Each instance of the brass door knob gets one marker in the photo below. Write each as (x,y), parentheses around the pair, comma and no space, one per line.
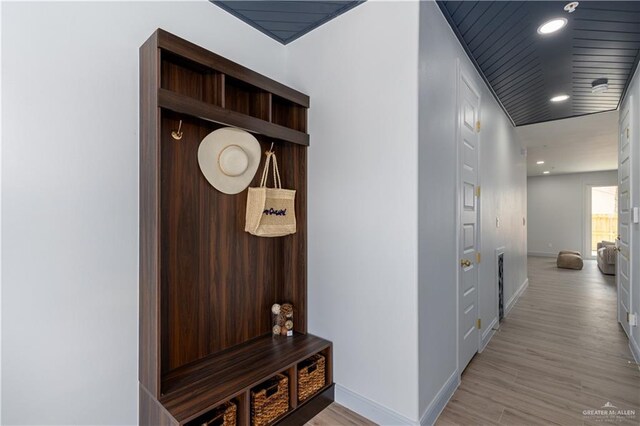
(465,263)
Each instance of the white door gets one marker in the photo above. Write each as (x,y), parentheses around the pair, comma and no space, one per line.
(624,219)
(468,115)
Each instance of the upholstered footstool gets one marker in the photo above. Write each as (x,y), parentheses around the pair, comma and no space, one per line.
(569,260)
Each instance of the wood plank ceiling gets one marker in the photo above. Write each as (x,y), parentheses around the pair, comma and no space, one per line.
(526,69)
(286,21)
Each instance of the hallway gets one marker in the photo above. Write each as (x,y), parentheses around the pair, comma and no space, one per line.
(558,353)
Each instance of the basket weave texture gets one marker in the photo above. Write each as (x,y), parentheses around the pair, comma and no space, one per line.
(223,415)
(310,376)
(269,400)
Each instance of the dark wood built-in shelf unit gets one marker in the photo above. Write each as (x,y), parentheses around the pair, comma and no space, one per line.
(206,286)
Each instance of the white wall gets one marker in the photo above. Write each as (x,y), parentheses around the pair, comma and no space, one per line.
(557,210)
(360,72)
(1,7)
(632,98)
(503,182)
(70,197)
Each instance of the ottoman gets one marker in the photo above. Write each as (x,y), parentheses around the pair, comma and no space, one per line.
(569,260)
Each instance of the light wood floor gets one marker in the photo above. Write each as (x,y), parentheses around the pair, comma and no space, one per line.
(337,415)
(559,352)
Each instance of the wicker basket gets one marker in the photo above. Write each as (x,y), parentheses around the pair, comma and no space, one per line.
(223,415)
(310,376)
(269,400)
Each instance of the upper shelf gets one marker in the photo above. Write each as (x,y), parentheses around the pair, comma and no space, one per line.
(197,387)
(197,82)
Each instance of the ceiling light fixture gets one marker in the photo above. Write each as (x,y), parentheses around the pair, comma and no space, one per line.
(571,7)
(599,85)
(552,26)
(540,162)
(546,172)
(559,98)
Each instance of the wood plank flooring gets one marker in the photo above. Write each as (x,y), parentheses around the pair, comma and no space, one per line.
(337,415)
(559,352)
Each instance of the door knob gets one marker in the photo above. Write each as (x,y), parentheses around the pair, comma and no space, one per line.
(465,263)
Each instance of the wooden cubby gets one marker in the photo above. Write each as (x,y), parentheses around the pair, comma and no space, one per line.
(247,99)
(191,79)
(206,286)
(288,114)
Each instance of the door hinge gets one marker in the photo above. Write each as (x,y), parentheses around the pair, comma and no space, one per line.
(627,133)
(478,257)
(478,191)
(479,324)
(478,126)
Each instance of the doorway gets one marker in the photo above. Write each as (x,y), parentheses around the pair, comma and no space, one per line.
(602,216)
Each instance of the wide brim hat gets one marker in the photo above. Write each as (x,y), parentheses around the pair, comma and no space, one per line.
(229,159)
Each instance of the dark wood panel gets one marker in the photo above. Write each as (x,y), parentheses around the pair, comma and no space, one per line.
(246,99)
(186,105)
(151,412)
(309,408)
(199,387)
(292,372)
(292,160)
(206,286)
(191,79)
(219,281)
(181,79)
(200,55)
(149,361)
(289,114)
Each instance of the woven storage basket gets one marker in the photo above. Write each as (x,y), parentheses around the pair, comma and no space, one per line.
(310,376)
(269,400)
(223,415)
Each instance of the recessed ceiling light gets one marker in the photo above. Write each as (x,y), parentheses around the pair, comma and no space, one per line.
(559,98)
(552,26)
(546,172)
(540,162)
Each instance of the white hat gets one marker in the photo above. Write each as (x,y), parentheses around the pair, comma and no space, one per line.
(229,159)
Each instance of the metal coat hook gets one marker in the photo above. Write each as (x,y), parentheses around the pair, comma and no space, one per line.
(177,134)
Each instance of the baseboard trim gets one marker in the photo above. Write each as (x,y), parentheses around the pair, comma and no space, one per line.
(635,350)
(488,334)
(516,296)
(438,403)
(541,254)
(370,409)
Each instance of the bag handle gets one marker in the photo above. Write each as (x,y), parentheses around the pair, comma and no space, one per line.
(276,172)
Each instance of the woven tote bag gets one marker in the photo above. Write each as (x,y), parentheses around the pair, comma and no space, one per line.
(270,211)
